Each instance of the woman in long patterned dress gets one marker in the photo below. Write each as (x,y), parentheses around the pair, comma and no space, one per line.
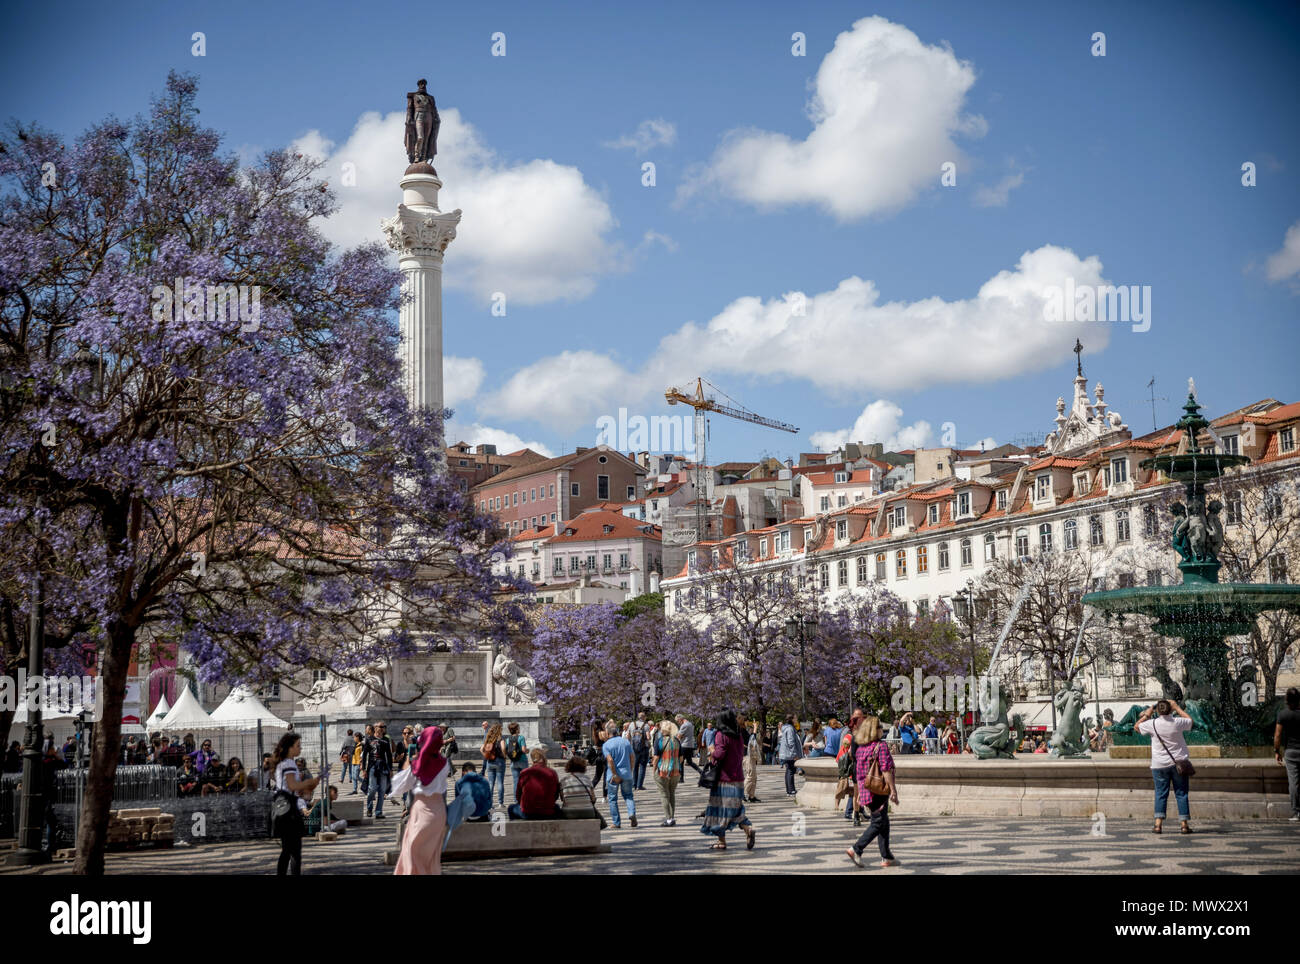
(426,821)
(727,800)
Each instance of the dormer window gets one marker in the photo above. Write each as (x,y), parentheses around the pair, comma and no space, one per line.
(762,547)
(841,477)
(1044,487)
(1286,439)
(807,535)
(607,529)
(1080,483)
(963,503)
(841,529)
(1231,444)
(1002,498)
(1119,471)
(900,518)
(934,514)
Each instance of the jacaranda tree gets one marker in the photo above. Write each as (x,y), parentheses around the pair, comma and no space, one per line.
(205,440)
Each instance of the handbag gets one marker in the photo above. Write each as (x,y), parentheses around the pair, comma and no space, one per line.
(875,781)
(711,774)
(1184,768)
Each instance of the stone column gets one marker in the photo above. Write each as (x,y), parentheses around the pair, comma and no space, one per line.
(420,234)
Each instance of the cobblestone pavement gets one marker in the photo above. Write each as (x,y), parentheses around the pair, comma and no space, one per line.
(800,841)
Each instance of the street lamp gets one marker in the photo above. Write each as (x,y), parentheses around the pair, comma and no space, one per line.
(798,627)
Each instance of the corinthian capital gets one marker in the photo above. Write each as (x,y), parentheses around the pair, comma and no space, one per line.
(415,233)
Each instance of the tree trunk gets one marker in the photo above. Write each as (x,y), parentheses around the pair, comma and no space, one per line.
(105,751)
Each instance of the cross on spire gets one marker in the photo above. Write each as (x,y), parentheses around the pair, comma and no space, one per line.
(1078,356)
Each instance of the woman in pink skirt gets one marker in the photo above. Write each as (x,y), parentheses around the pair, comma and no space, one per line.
(426,822)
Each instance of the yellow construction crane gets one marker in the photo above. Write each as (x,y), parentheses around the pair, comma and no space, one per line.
(703,406)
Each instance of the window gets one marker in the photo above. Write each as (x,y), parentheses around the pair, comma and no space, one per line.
(922,560)
(552,517)
(923,606)
(558,568)
(934,514)
(826,502)
(1277,568)
(1121,526)
(807,535)
(824,576)
(900,564)
(631,492)
(1045,537)
(1071,534)
(1080,483)
(1231,444)
(1155,578)
(574,563)
(1096,534)
(862,570)
(607,561)
(842,501)
(771,581)
(900,518)
(532,495)
(963,503)
(990,547)
(552,490)
(622,560)
(842,529)
(842,573)
(521,570)
(943,556)
(965,552)
(1234,509)
(1272,503)
(841,477)
(1044,487)
(783,540)
(575,489)
(880,567)
(514,498)
(1002,498)
(1126,580)
(1150,524)
(591,563)
(319,675)
(1022,543)
(762,548)
(1286,439)
(602,488)
(1119,470)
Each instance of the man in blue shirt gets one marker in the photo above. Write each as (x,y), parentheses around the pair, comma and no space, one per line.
(708,735)
(478,788)
(618,757)
(931,737)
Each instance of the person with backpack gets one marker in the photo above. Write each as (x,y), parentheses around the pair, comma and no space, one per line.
(874,766)
(286,819)
(847,765)
(596,756)
(493,752)
(789,748)
(640,752)
(516,752)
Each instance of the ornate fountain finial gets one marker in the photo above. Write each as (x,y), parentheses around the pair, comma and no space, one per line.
(1078,357)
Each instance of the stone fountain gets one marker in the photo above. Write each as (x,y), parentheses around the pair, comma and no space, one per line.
(1202,611)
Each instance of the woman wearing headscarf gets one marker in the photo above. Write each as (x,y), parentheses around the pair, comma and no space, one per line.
(726,800)
(426,822)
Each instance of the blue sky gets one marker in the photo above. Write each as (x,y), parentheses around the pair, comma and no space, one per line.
(1124,168)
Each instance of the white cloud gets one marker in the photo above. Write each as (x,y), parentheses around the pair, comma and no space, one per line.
(996,196)
(987,443)
(1285,264)
(534,230)
(879,422)
(506,442)
(461,378)
(846,341)
(648,135)
(884,111)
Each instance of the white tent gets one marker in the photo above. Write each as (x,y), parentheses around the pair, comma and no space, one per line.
(186,714)
(242,710)
(159,713)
